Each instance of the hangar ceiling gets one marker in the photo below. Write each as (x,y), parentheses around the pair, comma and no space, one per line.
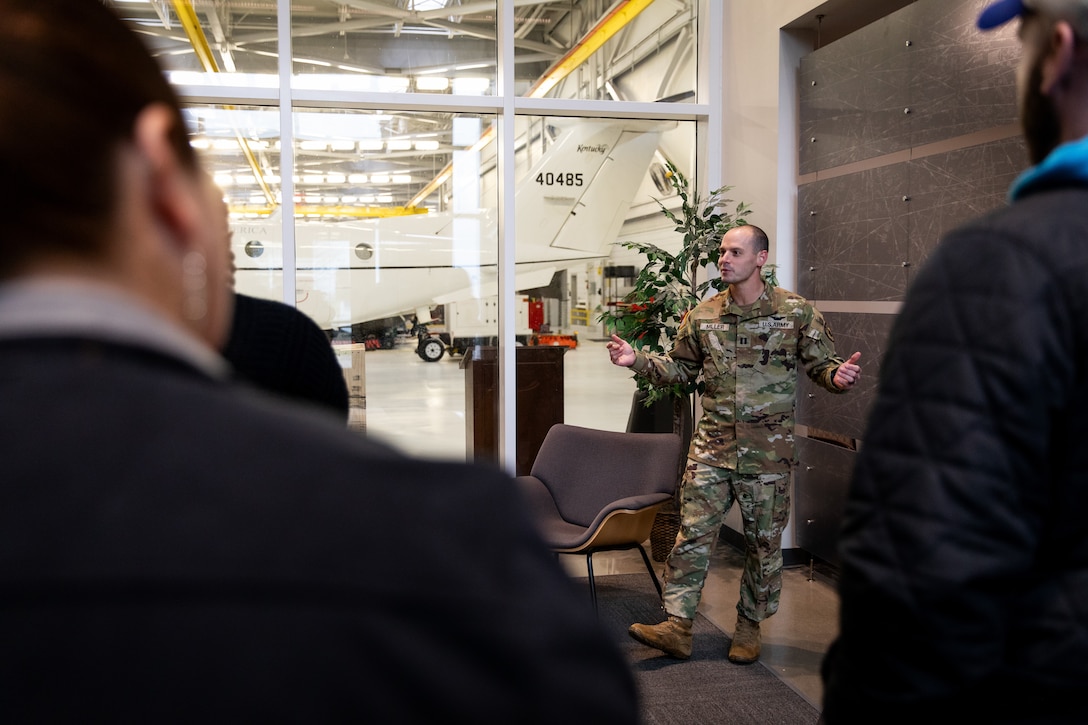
(368,162)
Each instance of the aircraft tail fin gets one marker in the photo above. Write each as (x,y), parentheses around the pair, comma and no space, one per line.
(577,195)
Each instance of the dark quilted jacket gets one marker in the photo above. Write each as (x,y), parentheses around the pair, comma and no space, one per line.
(965,542)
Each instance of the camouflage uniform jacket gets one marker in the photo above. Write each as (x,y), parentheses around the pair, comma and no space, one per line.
(748,359)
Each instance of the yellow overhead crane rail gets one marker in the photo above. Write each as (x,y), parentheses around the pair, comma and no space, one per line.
(335,210)
(191,23)
(591,42)
(203,50)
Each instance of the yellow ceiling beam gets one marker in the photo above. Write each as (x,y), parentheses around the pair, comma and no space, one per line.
(605,29)
(191,23)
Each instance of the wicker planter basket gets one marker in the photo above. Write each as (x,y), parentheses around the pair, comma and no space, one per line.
(663,533)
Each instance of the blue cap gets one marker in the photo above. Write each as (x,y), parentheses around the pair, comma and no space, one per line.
(999,13)
(1074,12)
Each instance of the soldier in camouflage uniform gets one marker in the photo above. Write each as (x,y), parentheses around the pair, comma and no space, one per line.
(747,343)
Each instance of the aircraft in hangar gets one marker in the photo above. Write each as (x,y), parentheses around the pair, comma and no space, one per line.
(569,208)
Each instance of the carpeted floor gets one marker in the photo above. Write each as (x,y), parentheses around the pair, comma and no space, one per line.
(707,688)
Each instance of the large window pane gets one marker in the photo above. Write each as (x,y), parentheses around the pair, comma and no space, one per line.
(208,41)
(395,46)
(586,186)
(637,50)
(394,227)
(240,147)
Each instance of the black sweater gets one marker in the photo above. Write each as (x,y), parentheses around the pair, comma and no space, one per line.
(280,349)
(965,541)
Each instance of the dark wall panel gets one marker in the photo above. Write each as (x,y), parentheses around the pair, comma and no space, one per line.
(960,79)
(819,497)
(853,94)
(857,238)
(951,188)
(907,129)
(807,203)
(921,75)
(846,414)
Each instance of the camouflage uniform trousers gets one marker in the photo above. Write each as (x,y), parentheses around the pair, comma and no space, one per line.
(706,495)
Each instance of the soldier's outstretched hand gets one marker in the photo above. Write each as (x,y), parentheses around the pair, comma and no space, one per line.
(621,352)
(848,374)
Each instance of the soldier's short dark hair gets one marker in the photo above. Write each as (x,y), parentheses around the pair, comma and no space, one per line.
(760,242)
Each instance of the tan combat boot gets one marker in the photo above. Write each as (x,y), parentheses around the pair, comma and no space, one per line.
(673,636)
(745,647)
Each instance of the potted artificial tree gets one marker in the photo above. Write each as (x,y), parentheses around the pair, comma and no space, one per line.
(649,317)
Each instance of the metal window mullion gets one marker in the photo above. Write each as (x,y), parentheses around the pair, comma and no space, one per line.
(287,152)
(715,74)
(507,383)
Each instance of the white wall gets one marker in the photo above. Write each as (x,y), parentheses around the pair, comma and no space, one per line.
(753,159)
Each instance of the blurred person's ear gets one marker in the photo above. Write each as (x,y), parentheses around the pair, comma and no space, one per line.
(178,203)
(1057,58)
(173,189)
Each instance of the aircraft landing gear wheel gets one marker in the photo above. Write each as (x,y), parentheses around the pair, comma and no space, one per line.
(431,349)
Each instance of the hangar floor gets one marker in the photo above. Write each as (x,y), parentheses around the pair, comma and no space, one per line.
(419,407)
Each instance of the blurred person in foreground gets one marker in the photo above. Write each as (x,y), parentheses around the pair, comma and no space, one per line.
(177,548)
(964,548)
(280,349)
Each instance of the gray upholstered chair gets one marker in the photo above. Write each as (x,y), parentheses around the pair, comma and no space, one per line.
(594,490)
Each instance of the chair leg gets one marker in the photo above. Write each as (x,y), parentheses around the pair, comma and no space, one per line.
(649,568)
(592,584)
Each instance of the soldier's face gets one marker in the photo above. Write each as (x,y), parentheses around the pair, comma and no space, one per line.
(739,260)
